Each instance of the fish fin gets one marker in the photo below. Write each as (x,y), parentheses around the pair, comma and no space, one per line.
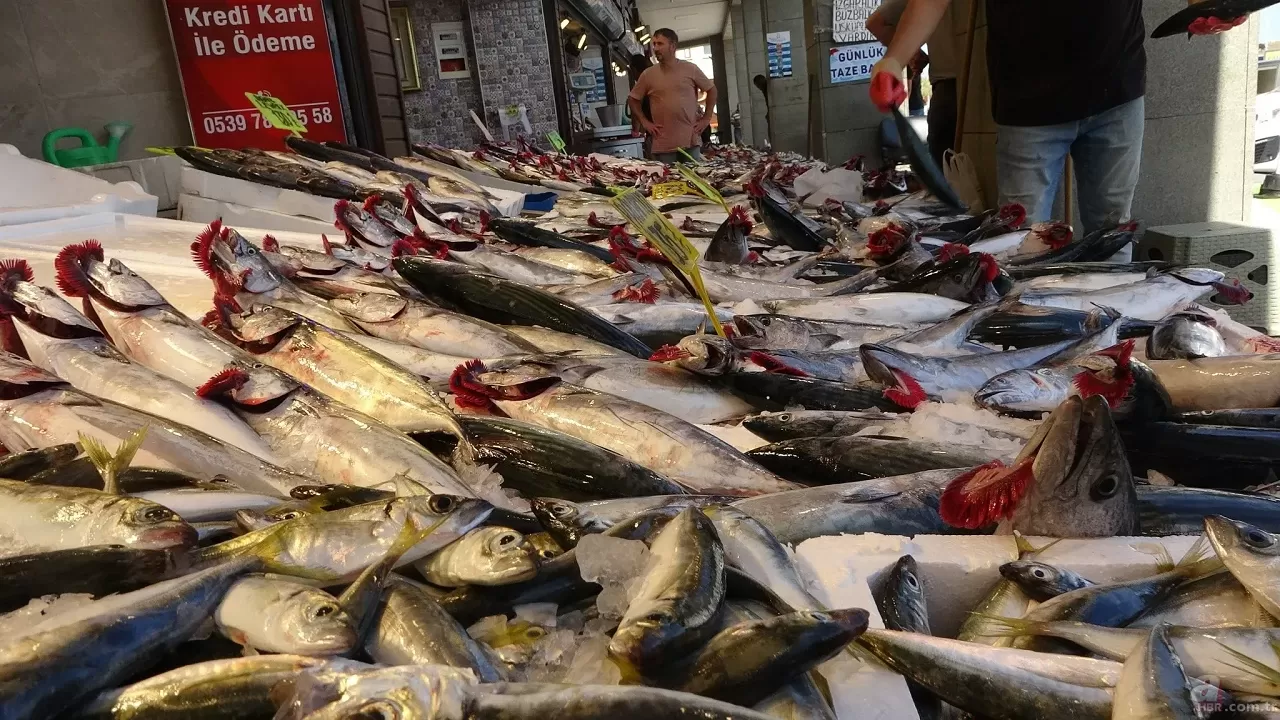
(1164,561)
(1232,293)
(1023,544)
(110,466)
(1160,479)
(1252,666)
(71,277)
(376,574)
(1199,561)
(985,494)
(1010,627)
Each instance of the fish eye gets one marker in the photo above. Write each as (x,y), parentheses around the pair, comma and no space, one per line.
(535,632)
(289,515)
(377,711)
(561,510)
(784,417)
(440,504)
(1258,538)
(1105,487)
(507,539)
(547,554)
(656,618)
(325,610)
(1040,574)
(220,478)
(158,514)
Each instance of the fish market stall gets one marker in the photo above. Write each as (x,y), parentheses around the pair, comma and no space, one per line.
(802,442)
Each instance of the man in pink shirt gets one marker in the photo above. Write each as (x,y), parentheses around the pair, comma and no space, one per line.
(672,89)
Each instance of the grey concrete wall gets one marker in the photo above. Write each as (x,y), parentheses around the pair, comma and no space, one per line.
(757,64)
(730,81)
(1197,154)
(845,122)
(84,63)
(789,96)
(745,101)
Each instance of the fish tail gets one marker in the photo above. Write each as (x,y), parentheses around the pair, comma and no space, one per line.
(1164,561)
(110,465)
(1199,561)
(1025,547)
(1000,626)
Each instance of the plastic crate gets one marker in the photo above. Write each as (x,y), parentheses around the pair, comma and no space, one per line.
(1240,251)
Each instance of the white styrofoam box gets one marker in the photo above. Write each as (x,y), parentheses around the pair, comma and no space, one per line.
(33,190)
(158,176)
(957,572)
(193,208)
(158,249)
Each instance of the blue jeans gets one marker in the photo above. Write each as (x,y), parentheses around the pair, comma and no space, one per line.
(1106,148)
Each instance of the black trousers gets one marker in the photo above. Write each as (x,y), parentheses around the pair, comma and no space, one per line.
(942,118)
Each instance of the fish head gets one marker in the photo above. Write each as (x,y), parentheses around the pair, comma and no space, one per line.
(1040,580)
(441,518)
(370,307)
(1185,336)
(909,380)
(904,594)
(232,262)
(708,354)
(395,693)
(20,378)
(42,312)
(250,520)
(312,622)
(476,388)
(1025,390)
(505,555)
(143,525)
(83,271)
(544,546)
(258,324)
(1197,276)
(561,518)
(304,259)
(1244,548)
(1072,479)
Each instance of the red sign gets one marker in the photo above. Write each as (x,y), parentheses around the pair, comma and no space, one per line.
(228,48)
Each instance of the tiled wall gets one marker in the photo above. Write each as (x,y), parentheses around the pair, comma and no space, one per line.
(438,112)
(84,63)
(513,57)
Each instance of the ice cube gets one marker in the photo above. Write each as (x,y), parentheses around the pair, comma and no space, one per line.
(552,657)
(489,628)
(543,614)
(612,602)
(609,560)
(571,621)
(591,664)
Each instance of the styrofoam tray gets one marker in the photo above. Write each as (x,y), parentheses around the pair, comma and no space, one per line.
(33,190)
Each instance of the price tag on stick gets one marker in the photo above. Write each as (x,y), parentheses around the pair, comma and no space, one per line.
(703,186)
(276,113)
(556,141)
(655,226)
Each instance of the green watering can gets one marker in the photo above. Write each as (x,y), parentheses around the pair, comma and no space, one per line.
(89,152)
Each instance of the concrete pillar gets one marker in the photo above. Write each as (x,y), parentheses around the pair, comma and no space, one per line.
(844,123)
(757,64)
(789,96)
(1197,154)
(744,98)
(731,84)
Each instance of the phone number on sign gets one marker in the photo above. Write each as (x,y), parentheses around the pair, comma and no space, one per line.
(240,120)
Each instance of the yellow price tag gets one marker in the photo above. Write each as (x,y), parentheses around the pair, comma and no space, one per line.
(160,150)
(670,189)
(276,113)
(703,186)
(655,226)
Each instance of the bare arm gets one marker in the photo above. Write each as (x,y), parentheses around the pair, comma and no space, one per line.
(918,22)
(637,114)
(883,22)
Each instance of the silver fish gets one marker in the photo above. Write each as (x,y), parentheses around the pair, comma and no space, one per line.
(275,614)
(489,555)
(413,629)
(416,323)
(1153,684)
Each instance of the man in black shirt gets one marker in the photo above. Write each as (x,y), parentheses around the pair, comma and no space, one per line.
(1067,78)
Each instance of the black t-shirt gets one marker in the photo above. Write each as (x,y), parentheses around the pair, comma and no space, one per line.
(1055,61)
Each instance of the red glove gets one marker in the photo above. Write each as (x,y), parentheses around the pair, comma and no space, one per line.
(887,91)
(1213,26)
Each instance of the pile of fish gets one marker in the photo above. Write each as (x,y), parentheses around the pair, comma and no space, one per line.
(453,465)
